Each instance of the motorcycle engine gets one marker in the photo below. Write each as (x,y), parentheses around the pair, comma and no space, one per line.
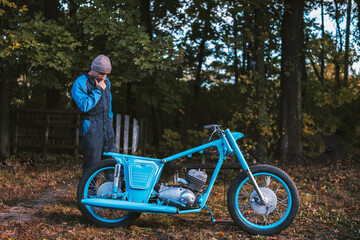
(196,179)
(183,197)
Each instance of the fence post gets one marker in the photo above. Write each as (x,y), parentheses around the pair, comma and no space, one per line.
(126,134)
(117,132)
(135,138)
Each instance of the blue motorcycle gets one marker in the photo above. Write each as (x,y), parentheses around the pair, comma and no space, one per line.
(262,199)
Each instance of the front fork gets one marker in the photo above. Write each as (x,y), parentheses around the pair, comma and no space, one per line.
(244,165)
(262,200)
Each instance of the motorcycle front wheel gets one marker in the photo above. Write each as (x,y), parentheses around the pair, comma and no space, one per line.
(271,217)
(96,181)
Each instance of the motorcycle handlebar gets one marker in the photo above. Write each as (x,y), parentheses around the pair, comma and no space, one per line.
(209,126)
(214,127)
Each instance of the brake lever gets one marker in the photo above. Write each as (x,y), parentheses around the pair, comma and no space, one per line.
(215,128)
(212,134)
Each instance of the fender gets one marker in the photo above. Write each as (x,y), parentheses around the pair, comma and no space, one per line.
(237,135)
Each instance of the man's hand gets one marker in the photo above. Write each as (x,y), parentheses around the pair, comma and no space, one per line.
(101,84)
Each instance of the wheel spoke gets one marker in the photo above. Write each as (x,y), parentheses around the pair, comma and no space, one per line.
(283,201)
(276,212)
(266,222)
(277,188)
(246,193)
(93,185)
(103,177)
(267,181)
(270,221)
(245,207)
(283,204)
(254,217)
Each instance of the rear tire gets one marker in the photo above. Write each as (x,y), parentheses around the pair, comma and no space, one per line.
(269,218)
(100,175)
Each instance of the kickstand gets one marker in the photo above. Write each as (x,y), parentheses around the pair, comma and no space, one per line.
(212,217)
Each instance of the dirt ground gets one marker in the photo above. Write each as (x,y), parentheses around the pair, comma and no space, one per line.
(329,209)
(25,211)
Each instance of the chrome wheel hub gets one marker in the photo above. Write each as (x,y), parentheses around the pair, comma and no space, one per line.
(266,207)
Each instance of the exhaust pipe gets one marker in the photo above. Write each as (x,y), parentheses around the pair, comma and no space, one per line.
(129,206)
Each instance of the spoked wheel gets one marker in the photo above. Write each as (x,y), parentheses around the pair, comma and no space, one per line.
(94,184)
(271,217)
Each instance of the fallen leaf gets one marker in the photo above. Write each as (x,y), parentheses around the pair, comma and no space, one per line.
(220,234)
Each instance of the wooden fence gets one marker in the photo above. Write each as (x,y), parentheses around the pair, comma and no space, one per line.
(57,131)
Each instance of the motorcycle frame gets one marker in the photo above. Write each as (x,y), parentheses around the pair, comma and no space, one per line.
(143,173)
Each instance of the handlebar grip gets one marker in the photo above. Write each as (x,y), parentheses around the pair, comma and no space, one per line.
(209,126)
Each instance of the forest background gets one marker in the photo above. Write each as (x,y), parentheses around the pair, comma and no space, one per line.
(264,68)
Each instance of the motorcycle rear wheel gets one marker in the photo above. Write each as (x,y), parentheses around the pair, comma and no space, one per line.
(94,180)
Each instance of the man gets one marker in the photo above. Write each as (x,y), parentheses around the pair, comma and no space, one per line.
(91,92)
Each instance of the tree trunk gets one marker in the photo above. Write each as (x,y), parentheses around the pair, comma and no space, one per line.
(347,44)
(322,50)
(53,95)
(337,71)
(339,45)
(260,76)
(130,99)
(73,8)
(358,14)
(236,59)
(201,55)
(53,98)
(200,60)
(244,58)
(236,66)
(290,80)
(146,21)
(157,126)
(247,41)
(146,17)
(4,121)
(51,9)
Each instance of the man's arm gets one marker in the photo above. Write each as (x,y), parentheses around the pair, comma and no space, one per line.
(83,100)
(110,106)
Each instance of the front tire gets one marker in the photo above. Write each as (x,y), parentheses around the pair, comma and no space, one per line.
(96,178)
(264,219)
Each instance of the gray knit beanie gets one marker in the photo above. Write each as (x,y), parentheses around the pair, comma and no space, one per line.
(101,64)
